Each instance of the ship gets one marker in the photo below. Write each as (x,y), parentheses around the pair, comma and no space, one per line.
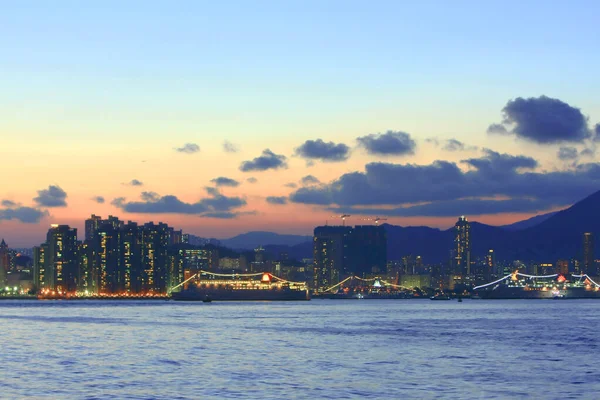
(557,286)
(207,287)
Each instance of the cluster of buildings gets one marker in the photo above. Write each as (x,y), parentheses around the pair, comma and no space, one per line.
(116,257)
(341,251)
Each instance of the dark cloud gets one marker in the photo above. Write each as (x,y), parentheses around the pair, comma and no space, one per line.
(291,185)
(457,145)
(149,196)
(310,180)
(229,147)
(545,120)
(98,199)
(27,215)
(153,203)
(252,180)
(223,181)
(492,177)
(118,202)
(389,143)
(8,203)
(567,153)
(277,200)
(134,182)
(54,196)
(188,148)
(498,129)
(452,208)
(588,152)
(597,131)
(268,160)
(324,151)
(434,141)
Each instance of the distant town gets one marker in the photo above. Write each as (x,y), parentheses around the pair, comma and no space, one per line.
(129,259)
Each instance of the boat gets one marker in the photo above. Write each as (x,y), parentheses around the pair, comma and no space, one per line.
(208,287)
(440,296)
(556,286)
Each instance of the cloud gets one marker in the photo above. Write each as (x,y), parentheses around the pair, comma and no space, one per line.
(456,145)
(188,148)
(498,129)
(152,203)
(27,215)
(597,133)
(54,196)
(291,185)
(268,160)
(252,180)
(118,202)
(453,208)
(389,143)
(567,153)
(134,182)
(98,199)
(545,120)
(229,147)
(324,151)
(277,200)
(310,180)
(223,181)
(150,196)
(8,203)
(492,177)
(434,141)
(588,152)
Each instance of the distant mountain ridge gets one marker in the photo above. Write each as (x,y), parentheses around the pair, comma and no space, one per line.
(254,239)
(544,238)
(528,223)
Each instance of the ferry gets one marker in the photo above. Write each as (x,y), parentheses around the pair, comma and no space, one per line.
(556,286)
(208,287)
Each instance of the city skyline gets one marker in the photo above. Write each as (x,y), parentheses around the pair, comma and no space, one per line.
(306,115)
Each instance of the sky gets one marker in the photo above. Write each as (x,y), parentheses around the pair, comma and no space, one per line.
(225,117)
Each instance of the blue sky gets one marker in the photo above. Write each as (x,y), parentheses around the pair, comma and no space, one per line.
(85,83)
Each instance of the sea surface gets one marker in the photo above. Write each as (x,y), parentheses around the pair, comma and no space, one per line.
(322,349)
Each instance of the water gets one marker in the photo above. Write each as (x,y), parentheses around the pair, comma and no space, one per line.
(384,349)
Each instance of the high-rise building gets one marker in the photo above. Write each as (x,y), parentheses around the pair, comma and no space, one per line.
(462,247)
(366,251)
(342,251)
(328,253)
(4,262)
(490,262)
(155,240)
(39,266)
(61,261)
(588,266)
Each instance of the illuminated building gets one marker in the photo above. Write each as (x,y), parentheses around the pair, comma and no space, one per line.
(39,267)
(490,262)
(4,262)
(588,264)
(462,247)
(344,251)
(328,252)
(88,278)
(562,267)
(131,258)
(61,260)
(155,239)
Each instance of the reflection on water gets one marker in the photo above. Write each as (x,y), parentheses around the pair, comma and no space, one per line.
(318,349)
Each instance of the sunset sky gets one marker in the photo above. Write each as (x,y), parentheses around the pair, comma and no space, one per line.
(414,111)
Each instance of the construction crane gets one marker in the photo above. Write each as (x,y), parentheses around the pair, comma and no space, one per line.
(343,217)
(376,219)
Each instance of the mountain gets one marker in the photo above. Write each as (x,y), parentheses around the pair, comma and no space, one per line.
(528,223)
(252,240)
(543,238)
